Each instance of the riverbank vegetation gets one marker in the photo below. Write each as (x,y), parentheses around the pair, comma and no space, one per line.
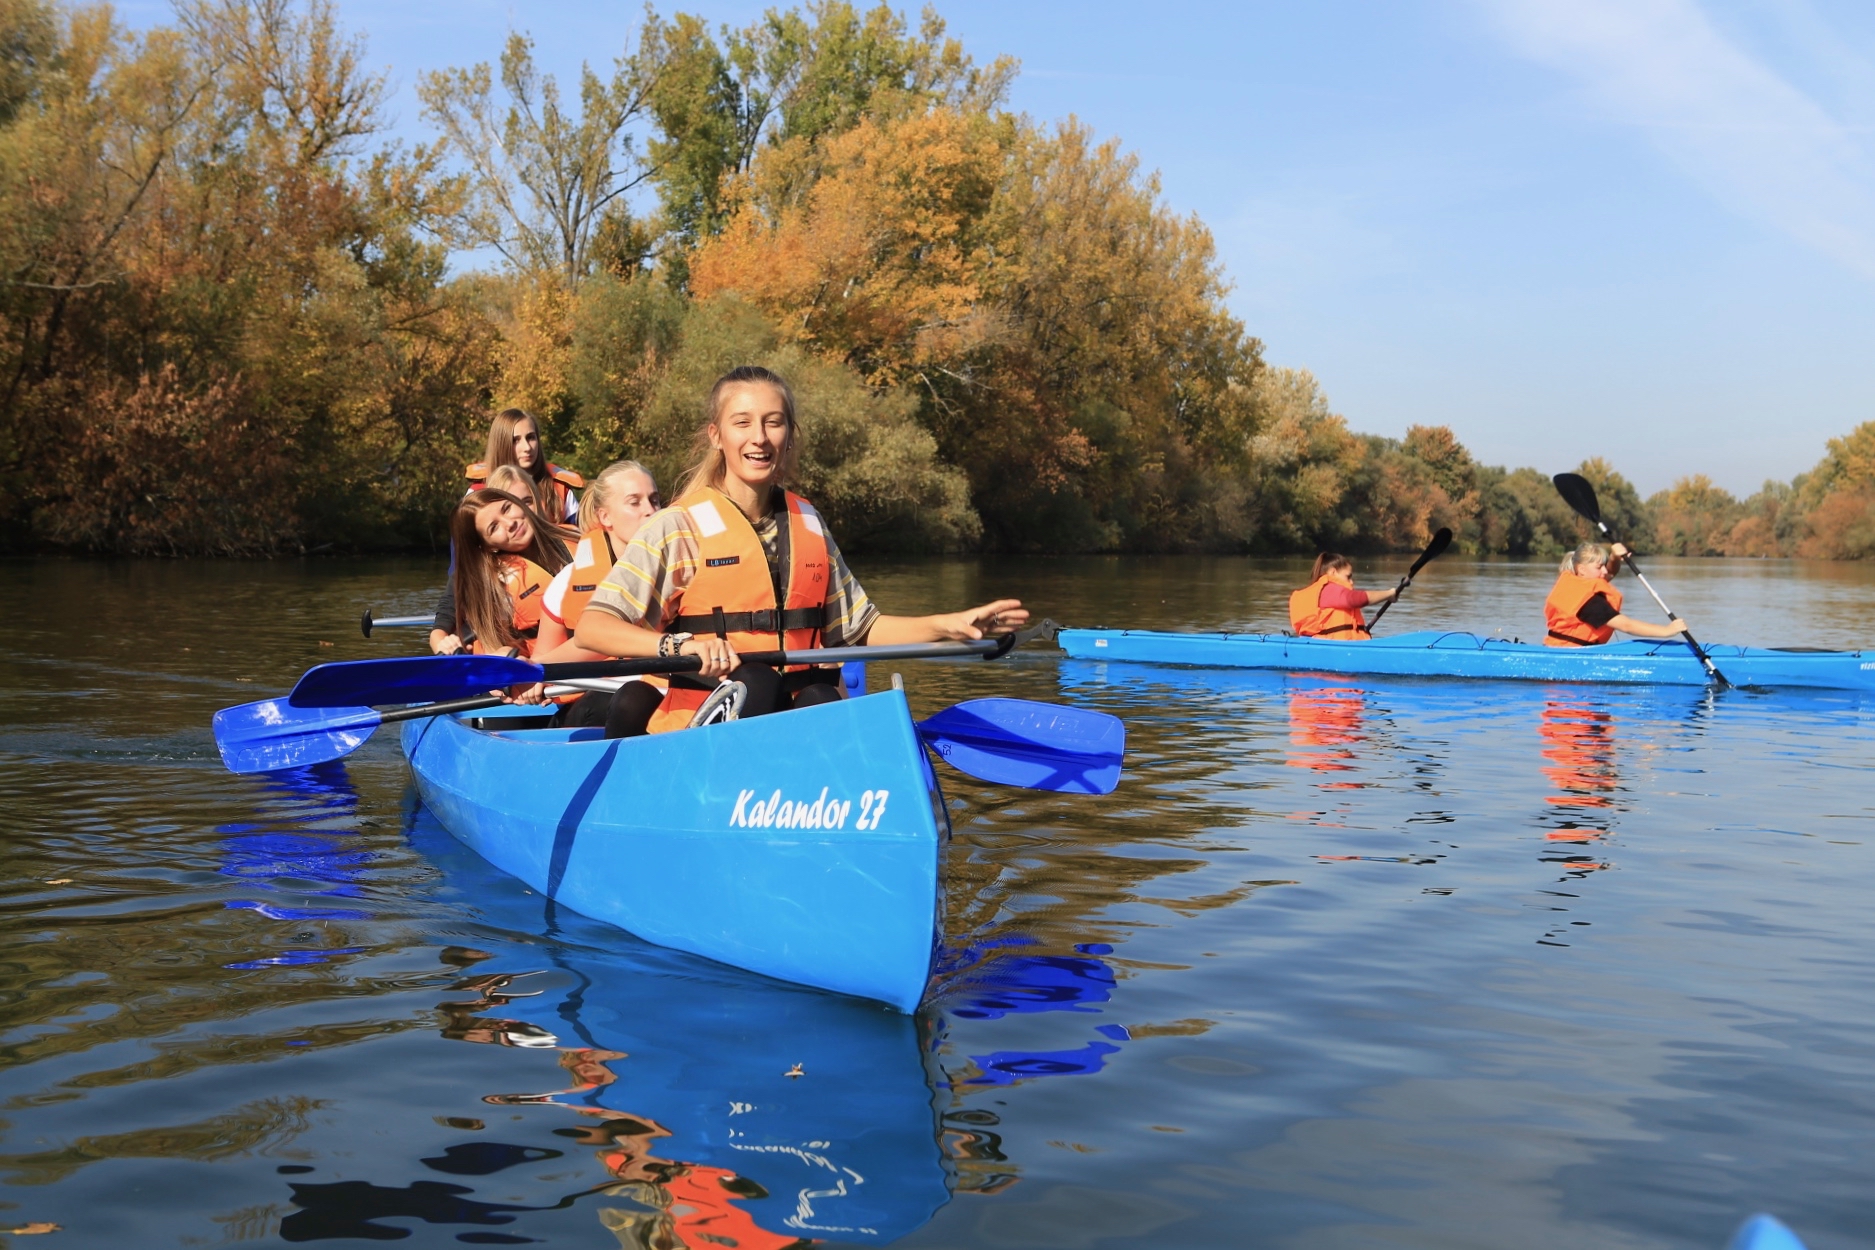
(237,318)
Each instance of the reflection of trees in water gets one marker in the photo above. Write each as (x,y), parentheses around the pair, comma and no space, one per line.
(172,975)
(258,1126)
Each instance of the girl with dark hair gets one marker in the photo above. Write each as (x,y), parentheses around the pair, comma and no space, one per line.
(739,563)
(1329,606)
(506,555)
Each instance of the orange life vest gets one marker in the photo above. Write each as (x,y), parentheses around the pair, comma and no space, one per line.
(1566,598)
(1310,619)
(526,584)
(562,481)
(593,559)
(733,596)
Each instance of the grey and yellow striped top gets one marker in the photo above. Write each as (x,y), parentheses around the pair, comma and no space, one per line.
(646,586)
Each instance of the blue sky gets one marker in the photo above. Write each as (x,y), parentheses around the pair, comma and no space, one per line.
(1637,228)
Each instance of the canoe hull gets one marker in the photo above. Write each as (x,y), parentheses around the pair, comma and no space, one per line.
(802,846)
(1431,654)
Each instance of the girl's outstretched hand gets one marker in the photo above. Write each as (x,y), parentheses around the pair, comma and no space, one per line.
(1004,616)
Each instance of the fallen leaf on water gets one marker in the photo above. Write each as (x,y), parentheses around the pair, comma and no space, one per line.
(324,643)
(60,881)
(28,1230)
(794,1071)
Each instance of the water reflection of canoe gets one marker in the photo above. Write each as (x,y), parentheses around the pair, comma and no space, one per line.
(1434,654)
(802,846)
(715,1096)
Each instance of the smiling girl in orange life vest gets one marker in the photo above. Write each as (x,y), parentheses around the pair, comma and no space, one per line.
(1329,606)
(740,564)
(1584,608)
(514,438)
(505,557)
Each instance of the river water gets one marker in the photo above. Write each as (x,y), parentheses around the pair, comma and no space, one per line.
(1342,963)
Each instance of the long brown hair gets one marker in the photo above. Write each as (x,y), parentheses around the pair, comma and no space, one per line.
(1326,563)
(500,451)
(707,469)
(481,603)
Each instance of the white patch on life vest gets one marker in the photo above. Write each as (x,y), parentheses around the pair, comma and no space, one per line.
(706,518)
(583,556)
(811,519)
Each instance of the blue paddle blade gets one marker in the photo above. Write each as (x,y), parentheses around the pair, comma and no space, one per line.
(1017,742)
(270,735)
(1764,1232)
(409,679)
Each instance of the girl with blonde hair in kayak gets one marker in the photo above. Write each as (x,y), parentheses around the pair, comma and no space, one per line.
(616,503)
(1584,608)
(739,563)
(1329,606)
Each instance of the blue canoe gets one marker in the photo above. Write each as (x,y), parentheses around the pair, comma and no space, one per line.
(803,846)
(1434,654)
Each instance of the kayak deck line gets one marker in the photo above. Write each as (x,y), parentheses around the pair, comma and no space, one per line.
(1456,653)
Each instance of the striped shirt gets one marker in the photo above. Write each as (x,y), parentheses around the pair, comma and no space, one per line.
(646,586)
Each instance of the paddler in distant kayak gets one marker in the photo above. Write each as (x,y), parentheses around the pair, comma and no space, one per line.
(1584,608)
(1329,606)
(740,564)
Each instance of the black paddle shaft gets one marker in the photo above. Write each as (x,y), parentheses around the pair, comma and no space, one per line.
(1434,549)
(1580,495)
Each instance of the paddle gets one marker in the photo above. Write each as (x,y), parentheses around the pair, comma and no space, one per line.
(1012,742)
(427,678)
(1042,746)
(1434,549)
(1578,494)
(366,624)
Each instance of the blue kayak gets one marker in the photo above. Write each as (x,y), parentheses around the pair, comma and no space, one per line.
(803,846)
(1435,654)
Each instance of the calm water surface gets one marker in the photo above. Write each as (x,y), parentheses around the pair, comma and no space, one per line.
(1343,963)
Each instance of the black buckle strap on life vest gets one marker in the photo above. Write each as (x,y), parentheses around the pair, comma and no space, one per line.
(1574,642)
(1336,629)
(767,621)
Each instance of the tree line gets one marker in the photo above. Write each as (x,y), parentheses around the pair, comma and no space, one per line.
(229,321)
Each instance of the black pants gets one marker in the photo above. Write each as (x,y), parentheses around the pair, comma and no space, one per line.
(769,691)
(586,712)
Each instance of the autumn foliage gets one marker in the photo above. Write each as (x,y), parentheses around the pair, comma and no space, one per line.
(229,322)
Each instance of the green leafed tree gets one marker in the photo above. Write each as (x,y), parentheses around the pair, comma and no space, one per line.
(548,176)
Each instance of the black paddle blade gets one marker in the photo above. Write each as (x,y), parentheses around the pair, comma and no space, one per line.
(1579,495)
(1434,549)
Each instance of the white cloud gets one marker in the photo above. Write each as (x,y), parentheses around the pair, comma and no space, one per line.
(1750,136)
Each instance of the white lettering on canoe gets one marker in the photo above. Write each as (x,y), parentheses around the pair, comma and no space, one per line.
(776,812)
